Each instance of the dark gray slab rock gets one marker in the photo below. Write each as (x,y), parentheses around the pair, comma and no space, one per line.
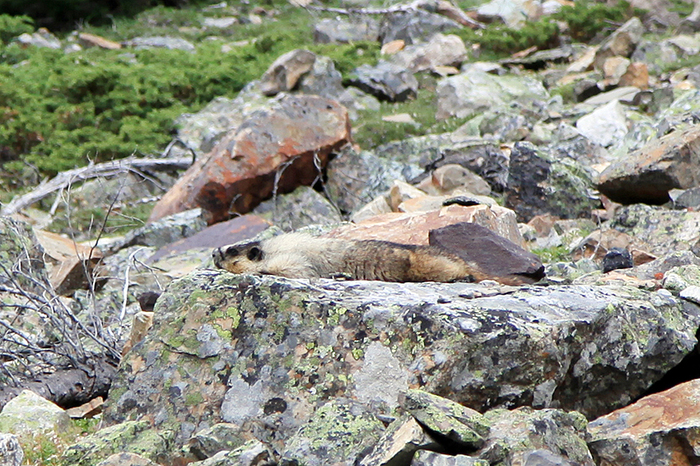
(165,231)
(687,198)
(617,258)
(385,81)
(495,256)
(341,31)
(267,354)
(540,184)
(414,26)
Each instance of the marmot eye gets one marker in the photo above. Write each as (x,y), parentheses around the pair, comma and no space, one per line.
(231,251)
(254,254)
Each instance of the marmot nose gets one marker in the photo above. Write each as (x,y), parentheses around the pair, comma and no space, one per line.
(216,255)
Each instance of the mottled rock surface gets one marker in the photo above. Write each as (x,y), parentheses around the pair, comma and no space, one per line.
(262,351)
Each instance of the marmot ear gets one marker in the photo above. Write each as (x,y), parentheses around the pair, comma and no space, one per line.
(254,254)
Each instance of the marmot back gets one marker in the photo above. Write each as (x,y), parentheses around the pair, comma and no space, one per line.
(298,255)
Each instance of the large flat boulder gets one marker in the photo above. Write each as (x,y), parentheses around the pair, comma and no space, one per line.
(275,149)
(265,353)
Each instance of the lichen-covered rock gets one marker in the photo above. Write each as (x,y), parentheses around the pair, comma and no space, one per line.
(539,184)
(658,430)
(399,443)
(429,458)
(455,426)
(475,91)
(440,50)
(322,79)
(28,412)
(132,437)
(265,353)
(524,436)
(126,459)
(664,230)
(342,31)
(166,42)
(337,432)
(222,436)
(252,453)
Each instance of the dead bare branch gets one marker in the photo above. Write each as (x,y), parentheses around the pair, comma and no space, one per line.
(65,179)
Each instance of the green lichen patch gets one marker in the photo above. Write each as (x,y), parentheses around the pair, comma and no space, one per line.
(338,430)
(131,436)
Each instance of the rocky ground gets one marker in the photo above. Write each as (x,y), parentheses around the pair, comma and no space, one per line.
(586,154)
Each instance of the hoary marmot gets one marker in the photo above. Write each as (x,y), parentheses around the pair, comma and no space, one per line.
(299,255)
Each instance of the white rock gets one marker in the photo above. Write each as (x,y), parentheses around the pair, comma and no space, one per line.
(606,125)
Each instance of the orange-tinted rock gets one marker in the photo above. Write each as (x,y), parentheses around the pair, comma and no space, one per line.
(282,146)
(648,174)
(413,228)
(659,430)
(637,75)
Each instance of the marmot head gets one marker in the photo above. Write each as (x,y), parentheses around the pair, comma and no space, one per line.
(239,257)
